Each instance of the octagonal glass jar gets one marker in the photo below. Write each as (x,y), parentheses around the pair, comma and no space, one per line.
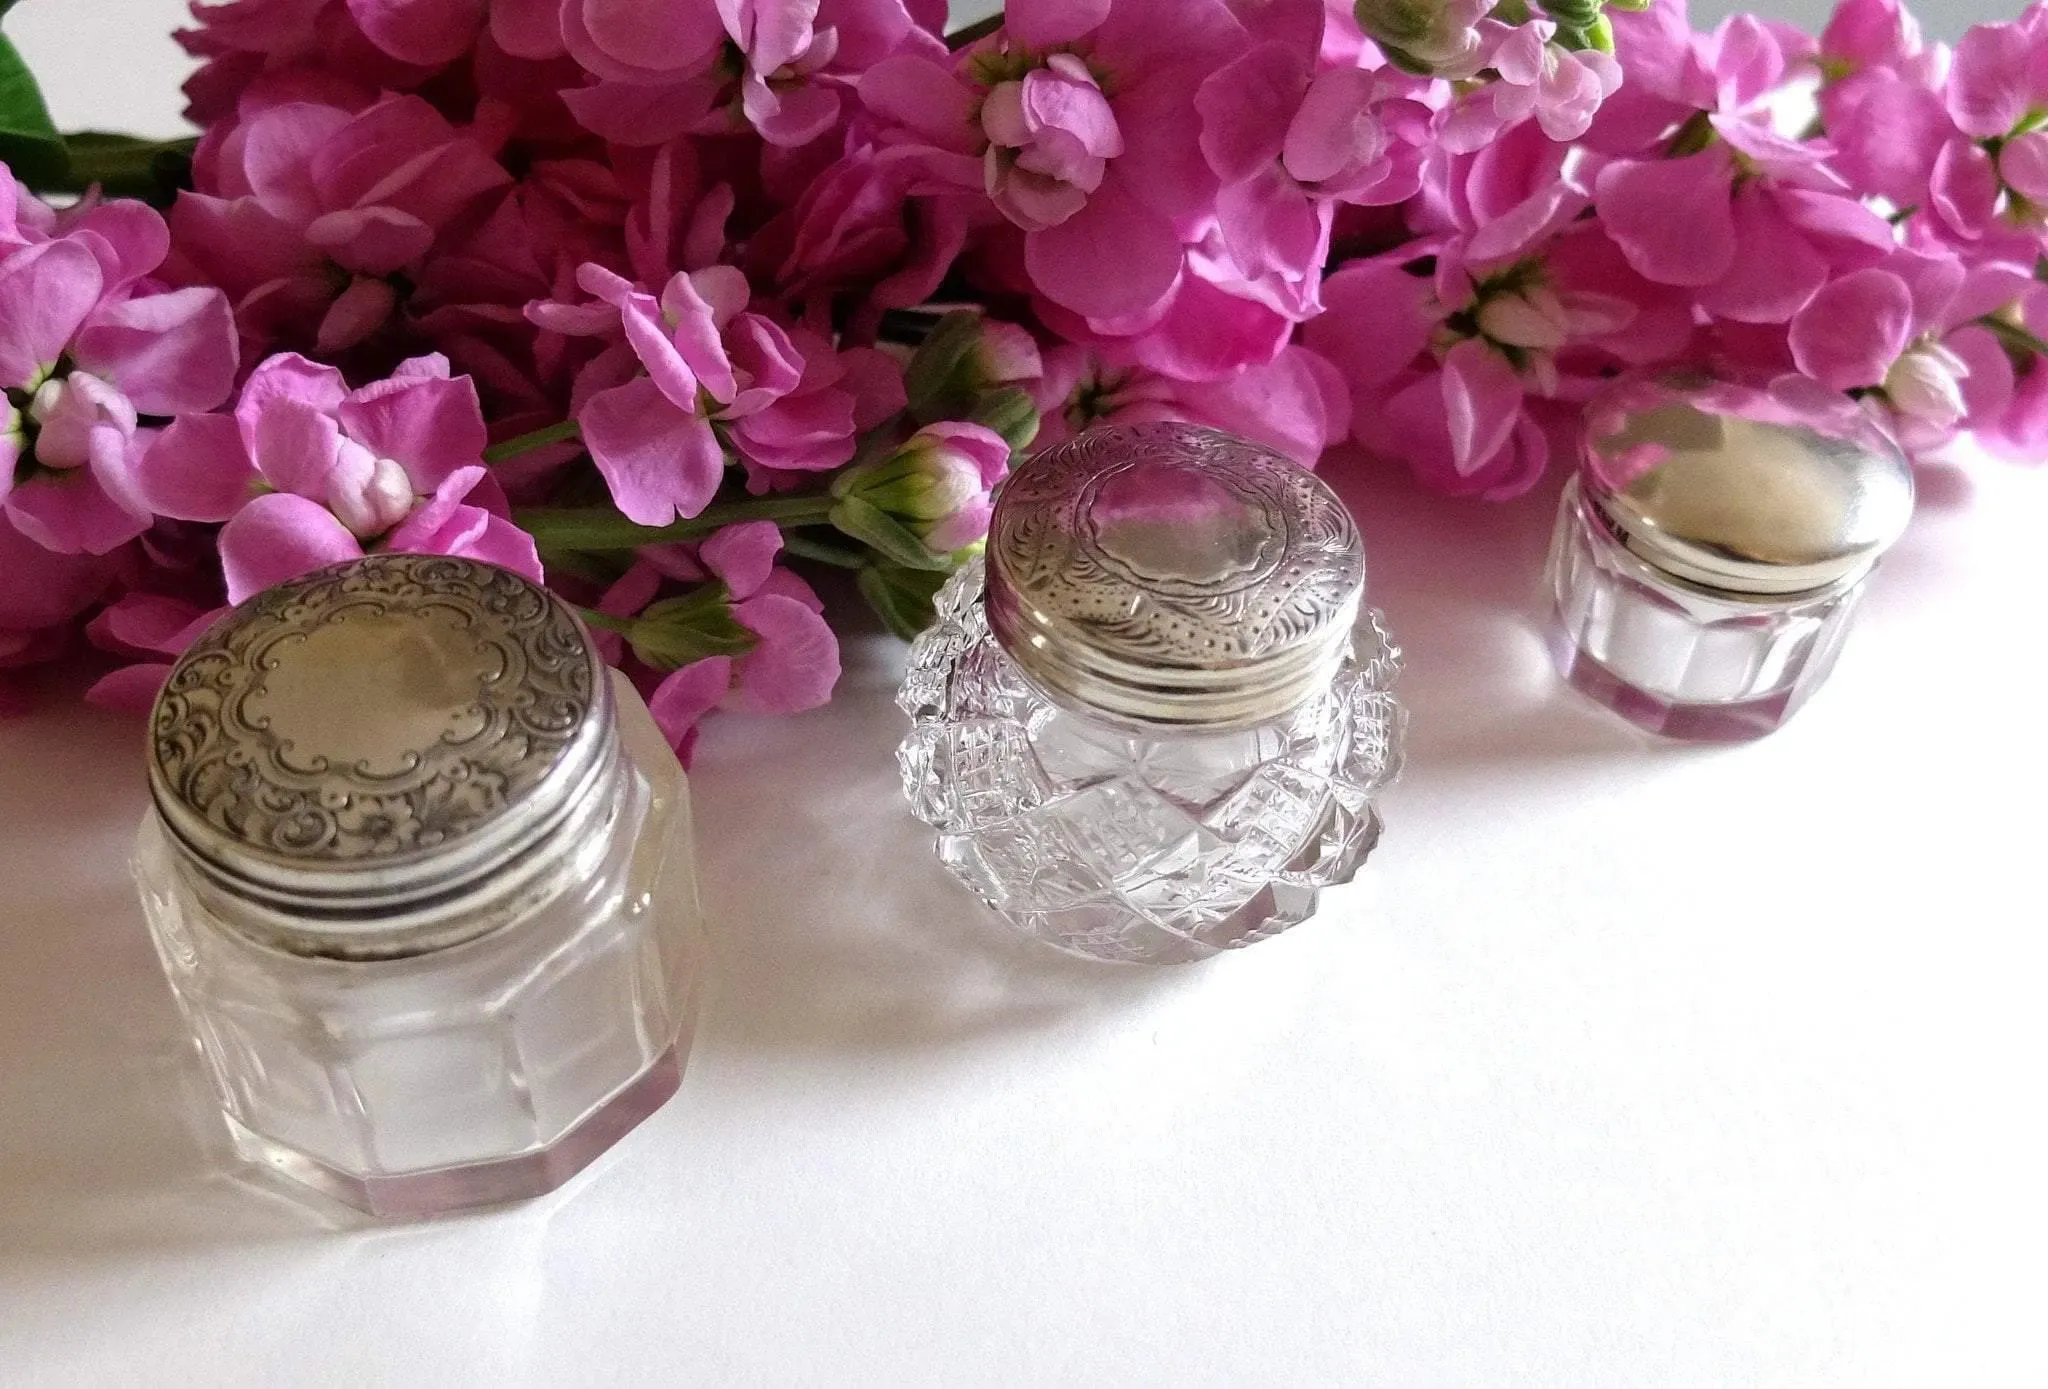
(1151,723)
(419,871)
(1706,565)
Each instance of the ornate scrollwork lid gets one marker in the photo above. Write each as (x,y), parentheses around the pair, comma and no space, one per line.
(382,729)
(1173,574)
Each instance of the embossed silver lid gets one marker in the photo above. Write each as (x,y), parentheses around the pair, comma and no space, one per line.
(1173,575)
(354,753)
(1748,506)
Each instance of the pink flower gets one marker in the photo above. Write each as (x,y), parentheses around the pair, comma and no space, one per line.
(41,594)
(787,401)
(88,349)
(2000,75)
(748,636)
(307,472)
(1754,224)
(1082,118)
(305,212)
(664,68)
(1562,89)
(1297,403)
(1285,142)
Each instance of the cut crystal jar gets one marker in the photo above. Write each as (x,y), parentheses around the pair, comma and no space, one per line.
(1151,724)
(1706,565)
(419,871)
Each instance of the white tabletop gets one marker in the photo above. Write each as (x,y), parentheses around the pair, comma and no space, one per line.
(1622,1063)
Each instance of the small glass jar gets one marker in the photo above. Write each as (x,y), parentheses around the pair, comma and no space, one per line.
(419,870)
(1706,565)
(1151,723)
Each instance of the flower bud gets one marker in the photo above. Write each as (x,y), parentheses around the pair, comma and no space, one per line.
(927,499)
(1432,36)
(1926,385)
(964,357)
(366,493)
(67,409)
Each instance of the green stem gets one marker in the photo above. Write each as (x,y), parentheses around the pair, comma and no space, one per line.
(526,443)
(2013,335)
(803,547)
(601,528)
(124,166)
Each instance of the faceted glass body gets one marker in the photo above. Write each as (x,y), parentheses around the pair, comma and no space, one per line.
(482,1072)
(1679,660)
(1124,841)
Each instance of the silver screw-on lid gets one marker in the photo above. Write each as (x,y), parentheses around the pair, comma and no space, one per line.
(1173,575)
(349,751)
(1748,506)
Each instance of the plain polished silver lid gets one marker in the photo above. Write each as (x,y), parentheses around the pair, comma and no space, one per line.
(349,751)
(1173,575)
(1749,506)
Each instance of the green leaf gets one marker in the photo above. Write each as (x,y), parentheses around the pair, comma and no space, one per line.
(676,632)
(29,141)
(884,534)
(902,597)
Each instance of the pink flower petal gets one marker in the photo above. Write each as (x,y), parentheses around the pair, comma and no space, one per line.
(170,353)
(46,291)
(1112,258)
(131,689)
(1777,271)
(1050,23)
(280,537)
(72,513)
(278,145)
(1853,330)
(196,470)
(925,96)
(430,426)
(1482,402)
(528,28)
(743,555)
(355,314)
(2023,164)
(370,240)
(680,702)
(1672,218)
(1988,81)
(658,461)
(427,32)
(796,663)
(1964,188)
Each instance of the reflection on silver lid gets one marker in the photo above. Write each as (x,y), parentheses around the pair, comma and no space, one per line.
(1173,575)
(1747,506)
(353,747)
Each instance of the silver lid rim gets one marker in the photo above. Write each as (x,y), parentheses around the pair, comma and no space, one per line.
(374,902)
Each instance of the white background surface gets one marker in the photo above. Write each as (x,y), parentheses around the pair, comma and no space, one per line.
(1623,1064)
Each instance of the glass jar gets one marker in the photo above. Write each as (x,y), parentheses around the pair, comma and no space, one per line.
(1150,725)
(1706,565)
(419,870)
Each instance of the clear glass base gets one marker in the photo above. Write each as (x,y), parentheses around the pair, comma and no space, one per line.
(1124,842)
(1676,660)
(413,1195)
(472,1074)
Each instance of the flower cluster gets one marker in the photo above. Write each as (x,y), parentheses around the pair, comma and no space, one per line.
(670,299)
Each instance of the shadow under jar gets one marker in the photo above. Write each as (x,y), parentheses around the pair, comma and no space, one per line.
(419,870)
(1151,723)
(1706,565)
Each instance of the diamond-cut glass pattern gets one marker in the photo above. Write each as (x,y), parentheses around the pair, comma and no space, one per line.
(1122,842)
